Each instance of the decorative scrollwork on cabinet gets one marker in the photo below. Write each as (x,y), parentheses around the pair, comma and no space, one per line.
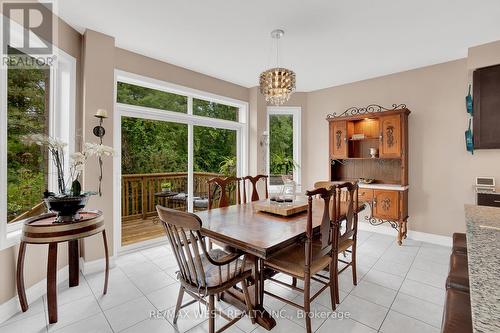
(372,108)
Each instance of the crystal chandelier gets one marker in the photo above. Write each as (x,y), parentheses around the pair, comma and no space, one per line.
(277,84)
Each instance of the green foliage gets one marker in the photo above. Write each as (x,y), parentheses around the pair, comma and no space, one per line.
(150,146)
(27,114)
(228,166)
(281,144)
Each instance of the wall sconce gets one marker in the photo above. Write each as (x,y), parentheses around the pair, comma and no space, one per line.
(99,131)
(264,140)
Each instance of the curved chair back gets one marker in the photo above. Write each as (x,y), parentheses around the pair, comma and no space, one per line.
(254,181)
(219,189)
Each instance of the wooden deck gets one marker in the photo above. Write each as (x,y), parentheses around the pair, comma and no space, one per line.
(139,230)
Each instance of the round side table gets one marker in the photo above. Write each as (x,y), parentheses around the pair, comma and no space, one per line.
(44,229)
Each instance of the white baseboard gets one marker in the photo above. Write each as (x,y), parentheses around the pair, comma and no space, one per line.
(143,245)
(94,266)
(414,235)
(12,306)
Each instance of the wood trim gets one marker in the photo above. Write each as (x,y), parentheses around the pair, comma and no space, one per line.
(371,115)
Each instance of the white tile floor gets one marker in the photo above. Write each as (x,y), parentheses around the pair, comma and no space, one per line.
(399,288)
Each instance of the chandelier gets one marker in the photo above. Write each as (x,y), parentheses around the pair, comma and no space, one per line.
(277,84)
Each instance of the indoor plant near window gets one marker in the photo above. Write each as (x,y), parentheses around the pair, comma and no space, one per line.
(285,164)
(68,200)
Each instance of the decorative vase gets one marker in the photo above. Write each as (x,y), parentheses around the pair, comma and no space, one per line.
(289,189)
(66,207)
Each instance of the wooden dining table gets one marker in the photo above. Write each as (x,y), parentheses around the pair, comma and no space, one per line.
(259,235)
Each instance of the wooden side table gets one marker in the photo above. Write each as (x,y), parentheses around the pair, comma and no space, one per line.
(44,230)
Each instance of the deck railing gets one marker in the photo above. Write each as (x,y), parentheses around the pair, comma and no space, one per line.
(138,190)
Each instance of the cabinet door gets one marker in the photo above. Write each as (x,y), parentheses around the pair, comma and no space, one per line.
(386,204)
(338,139)
(365,195)
(390,136)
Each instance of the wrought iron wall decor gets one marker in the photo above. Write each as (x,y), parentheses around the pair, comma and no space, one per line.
(372,108)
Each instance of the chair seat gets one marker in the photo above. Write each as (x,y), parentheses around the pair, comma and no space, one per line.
(459,242)
(457,317)
(215,276)
(292,260)
(345,245)
(458,277)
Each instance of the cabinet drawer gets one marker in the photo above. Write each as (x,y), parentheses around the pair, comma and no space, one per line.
(488,199)
(365,195)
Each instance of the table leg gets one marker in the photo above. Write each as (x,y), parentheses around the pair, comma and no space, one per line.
(52,283)
(21,292)
(106,252)
(73,263)
(235,297)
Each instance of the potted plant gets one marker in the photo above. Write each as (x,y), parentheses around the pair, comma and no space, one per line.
(166,186)
(285,165)
(69,198)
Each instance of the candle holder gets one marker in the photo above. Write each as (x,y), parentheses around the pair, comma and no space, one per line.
(99,131)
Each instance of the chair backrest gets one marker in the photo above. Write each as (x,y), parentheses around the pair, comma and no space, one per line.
(255,193)
(223,186)
(326,228)
(184,234)
(350,206)
(329,183)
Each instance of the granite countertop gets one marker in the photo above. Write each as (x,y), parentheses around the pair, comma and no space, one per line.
(483,251)
(377,186)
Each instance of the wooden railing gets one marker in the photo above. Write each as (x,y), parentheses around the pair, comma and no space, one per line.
(138,190)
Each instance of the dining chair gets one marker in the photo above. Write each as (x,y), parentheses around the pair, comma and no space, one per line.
(347,234)
(219,196)
(203,273)
(306,259)
(254,180)
(219,191)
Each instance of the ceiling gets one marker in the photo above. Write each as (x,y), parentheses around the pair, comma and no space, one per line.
(327,43)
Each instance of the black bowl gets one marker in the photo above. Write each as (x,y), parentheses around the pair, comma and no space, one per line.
(67,207)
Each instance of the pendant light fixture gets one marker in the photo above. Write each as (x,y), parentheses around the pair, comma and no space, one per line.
(277,84)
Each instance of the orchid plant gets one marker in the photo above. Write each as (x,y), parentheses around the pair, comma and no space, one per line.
(78,160)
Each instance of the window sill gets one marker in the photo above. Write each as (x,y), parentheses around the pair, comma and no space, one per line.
(13,238)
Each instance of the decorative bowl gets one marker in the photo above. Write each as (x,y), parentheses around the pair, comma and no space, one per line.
(366,180)
(66,207)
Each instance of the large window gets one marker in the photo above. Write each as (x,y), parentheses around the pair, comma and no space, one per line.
(172,141)
(283,125)
(34,100)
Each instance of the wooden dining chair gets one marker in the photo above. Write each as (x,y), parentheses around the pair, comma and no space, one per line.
(329,183)
(307,259)
(254,180)
(347,235)
(219,191)
(203,273)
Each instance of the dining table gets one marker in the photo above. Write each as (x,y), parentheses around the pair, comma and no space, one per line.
(259,235)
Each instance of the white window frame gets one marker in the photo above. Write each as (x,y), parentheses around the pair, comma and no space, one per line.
(296,113)
(62,104)
(191,120)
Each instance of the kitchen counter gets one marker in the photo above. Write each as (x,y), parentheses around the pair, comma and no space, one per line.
(483,251)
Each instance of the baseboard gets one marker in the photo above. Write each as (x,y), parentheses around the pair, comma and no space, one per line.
(33,293)
(414,235)
(94,266)
(143,245)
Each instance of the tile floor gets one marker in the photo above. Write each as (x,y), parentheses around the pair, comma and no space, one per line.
(399,288)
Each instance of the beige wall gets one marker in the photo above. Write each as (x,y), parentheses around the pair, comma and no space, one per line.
(441,174)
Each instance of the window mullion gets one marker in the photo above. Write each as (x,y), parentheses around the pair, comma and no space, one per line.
(190,157)
(3,155)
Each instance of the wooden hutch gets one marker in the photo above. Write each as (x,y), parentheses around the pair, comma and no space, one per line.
(352,134)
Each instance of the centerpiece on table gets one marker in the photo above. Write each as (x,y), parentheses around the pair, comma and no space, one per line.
(70,198)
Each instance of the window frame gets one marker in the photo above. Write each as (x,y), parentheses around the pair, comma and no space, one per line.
(127,110)
(62,105)
(296,113)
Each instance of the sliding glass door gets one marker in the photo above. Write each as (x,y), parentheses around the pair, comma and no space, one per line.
(171,145)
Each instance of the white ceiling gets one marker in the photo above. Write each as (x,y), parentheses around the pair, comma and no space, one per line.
(327,43)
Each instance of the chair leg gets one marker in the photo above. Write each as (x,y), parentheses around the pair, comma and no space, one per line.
(307,304)
(353,265)
(336,278)
(334,288)
(248,301)
(179,303)
(294,281)
(211,314)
